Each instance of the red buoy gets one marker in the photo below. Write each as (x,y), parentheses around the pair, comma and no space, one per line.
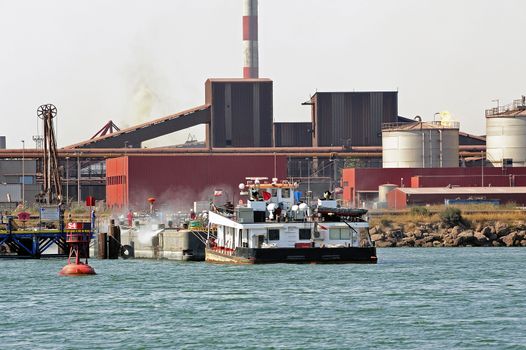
(78,238)
(77,269)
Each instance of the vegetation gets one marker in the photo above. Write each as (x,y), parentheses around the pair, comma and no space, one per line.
(419,211)
(451,216)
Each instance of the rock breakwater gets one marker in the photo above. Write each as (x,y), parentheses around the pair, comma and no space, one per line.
(439,235)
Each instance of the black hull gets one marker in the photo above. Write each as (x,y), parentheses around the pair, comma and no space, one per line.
(294,255)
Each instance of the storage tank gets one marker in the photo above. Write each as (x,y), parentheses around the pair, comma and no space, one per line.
(506,134)
(383,190)
(2,142)
(420,145)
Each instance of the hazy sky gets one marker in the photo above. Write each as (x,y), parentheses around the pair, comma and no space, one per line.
(122,60)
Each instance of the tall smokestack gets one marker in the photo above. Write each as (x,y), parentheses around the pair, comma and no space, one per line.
(250,39)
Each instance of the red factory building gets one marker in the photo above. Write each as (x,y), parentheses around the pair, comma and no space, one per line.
(361,184)
(177,181)
(401,198)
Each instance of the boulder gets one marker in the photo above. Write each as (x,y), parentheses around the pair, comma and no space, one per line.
(501,229)
(407,242)
(486,231)
(521,235)
(419,243)
(377,237)
(523,243)
(455,231)
(509,239)
(373,231)
(448,241)
(383,244)
(396,234)
(481,239)
(465,238)
(496,244)
(437,244)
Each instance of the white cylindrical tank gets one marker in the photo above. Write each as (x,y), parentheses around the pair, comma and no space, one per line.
(383,190)
(420,145)
(506,139)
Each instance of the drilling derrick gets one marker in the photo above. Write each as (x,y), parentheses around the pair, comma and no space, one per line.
(52,183)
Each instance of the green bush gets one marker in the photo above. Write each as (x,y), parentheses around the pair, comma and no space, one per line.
(419,211)
(451,216)
(385,222)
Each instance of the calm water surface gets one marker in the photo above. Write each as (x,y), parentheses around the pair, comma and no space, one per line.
(457,298)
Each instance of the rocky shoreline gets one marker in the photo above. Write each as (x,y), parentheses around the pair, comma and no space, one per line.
(439,235)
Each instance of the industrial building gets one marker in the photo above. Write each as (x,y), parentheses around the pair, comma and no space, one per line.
(351,118)
(293,134)
(177,181)
(361,185)
(347,131)
(18,182)
(241,112)
(401,198)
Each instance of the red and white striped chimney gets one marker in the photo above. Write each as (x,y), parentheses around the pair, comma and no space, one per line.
(250,39)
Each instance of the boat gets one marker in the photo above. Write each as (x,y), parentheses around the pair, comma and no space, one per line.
(272,226)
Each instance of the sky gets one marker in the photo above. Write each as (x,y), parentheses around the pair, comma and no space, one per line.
(132,61)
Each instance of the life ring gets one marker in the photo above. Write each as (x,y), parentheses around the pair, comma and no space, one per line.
(127,251)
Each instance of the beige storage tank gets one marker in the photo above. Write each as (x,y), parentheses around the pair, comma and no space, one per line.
(506,134)
(383,190)
(420,145)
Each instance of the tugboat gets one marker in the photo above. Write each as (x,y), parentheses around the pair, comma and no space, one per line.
(275,228)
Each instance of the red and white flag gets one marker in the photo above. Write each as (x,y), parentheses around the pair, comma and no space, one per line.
(218,193)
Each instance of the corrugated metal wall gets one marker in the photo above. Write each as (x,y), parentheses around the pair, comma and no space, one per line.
(241,112)
(352,118)
(117,182)
(288,134)
(178,181)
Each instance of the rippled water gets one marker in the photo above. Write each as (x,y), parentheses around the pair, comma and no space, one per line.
(464,298)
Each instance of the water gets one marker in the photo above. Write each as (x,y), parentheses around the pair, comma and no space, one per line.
(457,298)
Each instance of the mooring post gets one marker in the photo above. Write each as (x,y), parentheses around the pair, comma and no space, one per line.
(102,241)
(114,240)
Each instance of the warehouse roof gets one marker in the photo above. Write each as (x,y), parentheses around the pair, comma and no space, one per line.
(463,190)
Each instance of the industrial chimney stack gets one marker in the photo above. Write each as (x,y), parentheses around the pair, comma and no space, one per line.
(250,39)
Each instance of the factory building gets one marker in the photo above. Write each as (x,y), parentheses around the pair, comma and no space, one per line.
(293,134)
(178,181)
(401,198)
(17,180)
(241,112)
(362,185)
(351,118)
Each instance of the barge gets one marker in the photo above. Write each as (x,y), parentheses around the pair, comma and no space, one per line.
(274,228)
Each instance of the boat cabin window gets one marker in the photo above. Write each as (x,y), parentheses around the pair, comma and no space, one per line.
(274,192)
(285,193)
(305,233)
(338,234)
(273,235)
